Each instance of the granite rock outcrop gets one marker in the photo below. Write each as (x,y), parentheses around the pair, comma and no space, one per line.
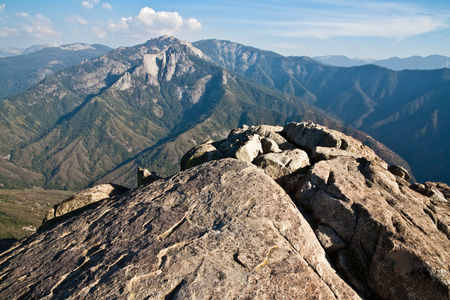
(388,238)
(84,198)
(222,230)
(294,212)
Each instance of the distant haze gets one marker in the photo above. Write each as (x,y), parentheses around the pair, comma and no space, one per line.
(394,63)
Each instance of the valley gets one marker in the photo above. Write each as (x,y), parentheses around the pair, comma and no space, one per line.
(147,105)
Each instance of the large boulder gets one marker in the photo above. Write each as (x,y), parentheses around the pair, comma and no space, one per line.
(317,139)
(395,247)
(280,165)
(222,230)
(262,145)
(387,238)
(84,198)
(200,154)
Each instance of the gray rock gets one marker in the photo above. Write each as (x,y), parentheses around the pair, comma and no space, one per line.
(280,165)
(200,154)
(329,239)
(323,153)
(248,151)
(400,172)
(395,250)
(386,240)
(440,186)
(273,133)
(269,146)
(312,136)
(83,198)
(241,144)
(438,205)
(146,177)
(220,230)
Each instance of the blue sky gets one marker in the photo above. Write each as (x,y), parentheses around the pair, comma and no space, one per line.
(355,28)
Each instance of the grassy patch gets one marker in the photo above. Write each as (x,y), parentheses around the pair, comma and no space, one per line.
(6,199)
(19,208)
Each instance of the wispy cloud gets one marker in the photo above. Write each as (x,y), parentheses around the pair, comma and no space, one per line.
(150,22)
(367,26)
(36,26)
(99,33)
(89,4)
(76,19)
(2,9)
(107,6)
(349,18)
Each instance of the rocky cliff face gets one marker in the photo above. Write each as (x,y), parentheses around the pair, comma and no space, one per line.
(300,212)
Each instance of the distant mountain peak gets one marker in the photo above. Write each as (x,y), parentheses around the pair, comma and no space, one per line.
(394,63)
(76,47)
(172,60)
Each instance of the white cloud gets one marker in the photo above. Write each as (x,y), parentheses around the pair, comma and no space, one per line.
(351,18)
(89,4)
(2,7)
(149,22)
(366,26)
(193,24)
(76,19)
(107,6)
(97,32)
(36,26)
(121,25)
(9,32)
(159,20)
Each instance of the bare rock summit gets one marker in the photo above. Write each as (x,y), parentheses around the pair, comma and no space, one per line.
(222,230)
(270,212)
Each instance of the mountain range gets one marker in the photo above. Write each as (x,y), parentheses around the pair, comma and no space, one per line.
(406,110)
(430,62)
(12,51)
(20,72)
(147,105)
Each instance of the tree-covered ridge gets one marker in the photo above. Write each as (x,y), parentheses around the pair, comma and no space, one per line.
(18,73)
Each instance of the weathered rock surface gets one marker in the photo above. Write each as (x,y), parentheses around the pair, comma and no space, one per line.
(222,230)
(262,145)
(387,239)
(400,172)
(84,198)
(313,136)
(200,154)
(393,248)
(225,229)
(280,165)
(144,176)
(396,239)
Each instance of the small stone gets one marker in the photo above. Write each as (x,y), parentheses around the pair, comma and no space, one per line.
(269,146)
(400,172)
(146,177)
(329,239)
